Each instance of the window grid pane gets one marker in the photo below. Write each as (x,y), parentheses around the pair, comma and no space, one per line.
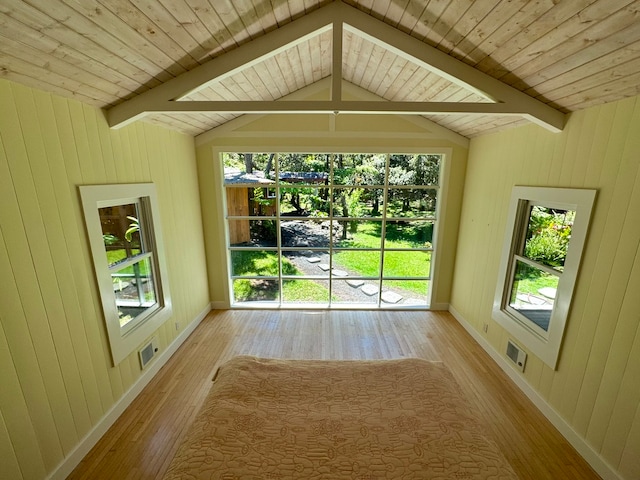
(331,235)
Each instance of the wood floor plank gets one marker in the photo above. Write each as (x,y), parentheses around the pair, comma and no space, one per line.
(142,442)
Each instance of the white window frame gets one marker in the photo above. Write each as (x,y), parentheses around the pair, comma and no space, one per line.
(544,344)
(439,188)
(124,340)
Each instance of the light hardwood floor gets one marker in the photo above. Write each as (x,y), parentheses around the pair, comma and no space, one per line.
(142,442)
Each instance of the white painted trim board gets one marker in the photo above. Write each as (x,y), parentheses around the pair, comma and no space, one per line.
(606,471)
(88,442)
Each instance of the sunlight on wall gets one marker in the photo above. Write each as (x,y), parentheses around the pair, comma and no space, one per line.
(57,380)
(595,388)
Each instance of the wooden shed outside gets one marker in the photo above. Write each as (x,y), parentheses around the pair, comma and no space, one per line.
(240,187)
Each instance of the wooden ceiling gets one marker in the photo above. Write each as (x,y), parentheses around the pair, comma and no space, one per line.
(569,54)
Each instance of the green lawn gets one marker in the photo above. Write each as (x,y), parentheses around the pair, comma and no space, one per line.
(362,263)
(265,263)
(396,264)
(530,285)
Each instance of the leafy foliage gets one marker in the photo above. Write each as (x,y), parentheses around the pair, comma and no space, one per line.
(548,235)
(354,188)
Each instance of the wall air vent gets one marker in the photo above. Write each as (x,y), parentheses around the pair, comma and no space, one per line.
(147,352)
(516,355)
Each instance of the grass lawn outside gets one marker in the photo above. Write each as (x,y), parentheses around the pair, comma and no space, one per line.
(265,263)
(410,263)
(365,263)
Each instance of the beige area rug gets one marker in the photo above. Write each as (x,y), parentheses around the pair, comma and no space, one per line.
(311,419)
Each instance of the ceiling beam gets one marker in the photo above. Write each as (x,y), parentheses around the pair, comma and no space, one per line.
(446,66)
(336,61)
(337,16)
(223,66)
(338,107)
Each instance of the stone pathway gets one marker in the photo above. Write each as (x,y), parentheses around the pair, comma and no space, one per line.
(357,287)
(313,262)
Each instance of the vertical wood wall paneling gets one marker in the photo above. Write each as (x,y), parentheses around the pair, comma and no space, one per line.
(83,327)
(101,170)
(9,467)
(581,308)
(93,173)
(595,387)
(628,395)
(24,436)
(564,160)
(610,286)
(541,158)
(157,153)
(585,146)
(624,297)
(58,381)
(56,201)
(630,461)
(32,269)
(569,157)
(62,368)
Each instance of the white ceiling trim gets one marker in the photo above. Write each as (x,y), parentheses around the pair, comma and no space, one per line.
(336,16)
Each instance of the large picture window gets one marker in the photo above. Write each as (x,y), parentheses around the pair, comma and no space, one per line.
(330,229)
(126,245)
(546,232)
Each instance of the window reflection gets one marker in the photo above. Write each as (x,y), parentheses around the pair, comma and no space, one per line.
(547,236)
(130,265)
(533,294)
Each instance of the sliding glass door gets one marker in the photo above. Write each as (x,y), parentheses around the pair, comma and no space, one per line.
(320,230)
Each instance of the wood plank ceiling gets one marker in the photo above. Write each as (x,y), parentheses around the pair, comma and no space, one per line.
(570,54)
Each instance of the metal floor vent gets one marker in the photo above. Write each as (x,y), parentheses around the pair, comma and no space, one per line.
(516,355)
(147,352)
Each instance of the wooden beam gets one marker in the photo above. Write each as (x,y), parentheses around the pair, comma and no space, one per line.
(429,128)
(244,56)
(454,70)
(336,61)
(338,17)
(338,106)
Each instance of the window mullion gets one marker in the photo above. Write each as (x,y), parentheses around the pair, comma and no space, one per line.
(539,266)
(130,261)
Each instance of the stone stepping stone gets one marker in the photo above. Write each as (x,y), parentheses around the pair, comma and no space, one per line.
(324,266)
(313,259)
(391,297)
(339,273)
(370,289)
(355,283)
(548,292)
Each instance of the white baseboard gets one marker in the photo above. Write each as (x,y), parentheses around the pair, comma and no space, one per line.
(219,305)
(584,449)
(439,307)
(86,444)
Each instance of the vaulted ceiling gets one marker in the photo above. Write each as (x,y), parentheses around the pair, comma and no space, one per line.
(136,58)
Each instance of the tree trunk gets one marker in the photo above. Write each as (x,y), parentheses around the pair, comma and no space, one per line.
(248,162)
(295,201)
(267,170)
(375,208)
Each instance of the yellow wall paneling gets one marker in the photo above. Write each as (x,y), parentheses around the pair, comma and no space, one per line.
(57,378)
(595,390)
(58,384)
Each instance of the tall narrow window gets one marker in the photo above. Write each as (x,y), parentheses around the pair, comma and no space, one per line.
(546,231)
(127,251)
